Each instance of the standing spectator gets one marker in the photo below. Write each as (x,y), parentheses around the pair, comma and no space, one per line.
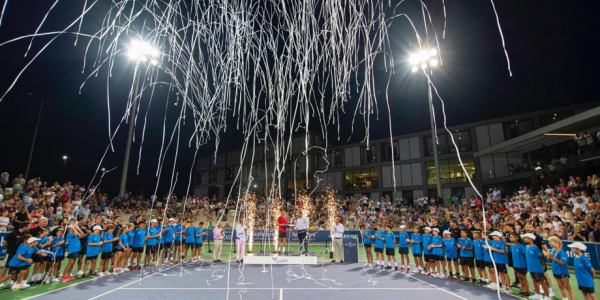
(218,240)
(496,194)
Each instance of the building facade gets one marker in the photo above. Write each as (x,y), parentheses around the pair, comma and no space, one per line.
(356,169)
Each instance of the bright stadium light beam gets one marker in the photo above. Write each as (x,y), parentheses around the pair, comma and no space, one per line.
(143,51)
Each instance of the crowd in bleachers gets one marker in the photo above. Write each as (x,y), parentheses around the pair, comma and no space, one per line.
(33,208)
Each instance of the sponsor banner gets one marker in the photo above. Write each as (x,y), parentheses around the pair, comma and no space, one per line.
(2,248)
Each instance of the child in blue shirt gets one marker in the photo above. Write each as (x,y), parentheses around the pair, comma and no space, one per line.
(498,248)
(519,263)
(73,248)
(120,250)
(583,271)
(367,234)
(428,251)
(198,245)
(178,243)
(94,241)
(139,239)
(466,246)
(379,244)
(437,247)
(106,249)
(403,249)
(480,263)
(58,251)
(151,243)
(535,261)
(416,240)
(20,263)
(451,254)
(190,240)
(129,251)
(40,262)
(390,247)
(559,258)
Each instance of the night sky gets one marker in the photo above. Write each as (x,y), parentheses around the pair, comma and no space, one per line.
(552,47)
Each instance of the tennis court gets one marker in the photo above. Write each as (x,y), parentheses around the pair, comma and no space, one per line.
(233,281)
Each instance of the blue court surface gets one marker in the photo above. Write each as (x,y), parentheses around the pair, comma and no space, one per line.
(294,282)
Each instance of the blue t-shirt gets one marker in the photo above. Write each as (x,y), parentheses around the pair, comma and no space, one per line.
(107,246)
(557,268)
(582,271)
(93,250)
(25,251)
(179,236)
(161,239)
(427,240)
(416,246)
(199,231)
(189,235)
(58,250)
(124,240)
(466,243)
(450,246)
(518,256)
(478,249)
(73,243)
(139,238)
(389,240)
(437,240)
(533,254)
(152,231)
(367,237)
(486,252)
(500,258)
(402,236)
(130,237)
(169,234)
(378,242)
(43,241)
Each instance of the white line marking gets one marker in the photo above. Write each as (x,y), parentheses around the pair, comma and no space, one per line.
(436,287)
(280,294)
(281,289)
(60,288)
(132,282)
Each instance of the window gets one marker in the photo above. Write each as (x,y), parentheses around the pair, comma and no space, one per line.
(336,158)
(362,179)
(442,145)
(462,140)
(212,176)
(386,152)
(517,128)
(368,154)
(450,171)
(199,178)
(229,174)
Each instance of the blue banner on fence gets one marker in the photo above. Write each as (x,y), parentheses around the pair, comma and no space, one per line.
(592,253)
(322,236)
(2,248)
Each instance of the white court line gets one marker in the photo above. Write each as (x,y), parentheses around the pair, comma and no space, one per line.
(436,287)
(133,282)
(280,294)
(60,288)
(281,289)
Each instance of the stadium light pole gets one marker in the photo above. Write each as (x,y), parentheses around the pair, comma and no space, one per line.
(425,61)
(37,125)
(138,52)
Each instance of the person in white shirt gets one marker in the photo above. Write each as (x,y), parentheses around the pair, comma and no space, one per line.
(496,195)
(302,228)
(240,240)
(337,235)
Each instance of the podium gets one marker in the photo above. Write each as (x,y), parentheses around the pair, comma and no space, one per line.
(350,250)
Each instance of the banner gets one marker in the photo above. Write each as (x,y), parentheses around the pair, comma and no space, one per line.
(322,236)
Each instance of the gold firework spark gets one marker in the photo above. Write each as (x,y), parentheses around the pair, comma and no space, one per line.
(275,211)
(331,206)
(250,207)
(305,204)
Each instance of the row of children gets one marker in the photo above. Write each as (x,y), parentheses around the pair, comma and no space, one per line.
(439,255)
(119,253)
